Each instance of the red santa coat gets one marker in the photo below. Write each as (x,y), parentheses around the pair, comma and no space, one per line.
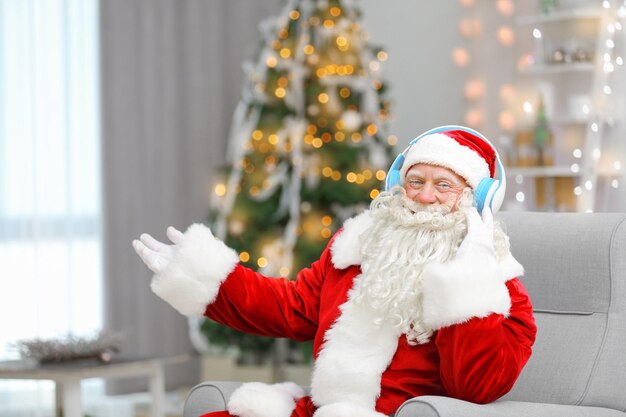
(478,350)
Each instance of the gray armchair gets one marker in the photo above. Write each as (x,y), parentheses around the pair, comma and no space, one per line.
(576,275)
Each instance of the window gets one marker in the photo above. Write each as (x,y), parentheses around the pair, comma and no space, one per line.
(50,216)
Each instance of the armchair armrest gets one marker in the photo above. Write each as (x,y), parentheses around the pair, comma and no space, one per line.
(213,396)
(435,406)
(209,396)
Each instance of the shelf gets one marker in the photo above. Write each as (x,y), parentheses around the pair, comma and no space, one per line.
(570,120)
(555,171)
(569,89)
(560,16)
(542,171)
(539,69)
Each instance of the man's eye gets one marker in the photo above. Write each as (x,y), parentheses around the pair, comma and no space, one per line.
(444,185)
(415,182)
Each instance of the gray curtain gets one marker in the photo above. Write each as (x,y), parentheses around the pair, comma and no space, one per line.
(171,77)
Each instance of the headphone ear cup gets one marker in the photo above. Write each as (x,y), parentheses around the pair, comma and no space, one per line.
(393,176)
(484,193)
(393,179)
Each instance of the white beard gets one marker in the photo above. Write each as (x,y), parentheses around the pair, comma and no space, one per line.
(404,237)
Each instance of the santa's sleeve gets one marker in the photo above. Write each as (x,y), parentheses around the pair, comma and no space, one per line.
(480,359)
(206,278)
(252,303)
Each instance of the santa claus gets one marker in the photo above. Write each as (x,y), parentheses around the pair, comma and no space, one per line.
(417,296)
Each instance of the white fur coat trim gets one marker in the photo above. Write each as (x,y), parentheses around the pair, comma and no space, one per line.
(456,292)
(355,353)
(510,267)
(346,249)
(256,399)
(200,264)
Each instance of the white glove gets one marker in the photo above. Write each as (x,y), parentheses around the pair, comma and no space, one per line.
(478,243)
(157,255)
(188,273)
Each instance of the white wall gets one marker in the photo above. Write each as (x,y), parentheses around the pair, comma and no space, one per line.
(424,84)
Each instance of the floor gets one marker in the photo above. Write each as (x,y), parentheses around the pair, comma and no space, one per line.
(36,399)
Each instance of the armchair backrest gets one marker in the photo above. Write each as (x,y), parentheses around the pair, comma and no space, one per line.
(575,272)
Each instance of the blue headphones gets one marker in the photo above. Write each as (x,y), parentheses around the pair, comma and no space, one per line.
(490,191)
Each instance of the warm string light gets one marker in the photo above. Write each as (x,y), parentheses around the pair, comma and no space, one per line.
(505,7)
(353,177)
(608,68)
(460,57)
(334,69)
(507,93)
(220,190)
(506,36)
(474,89)
(471,27)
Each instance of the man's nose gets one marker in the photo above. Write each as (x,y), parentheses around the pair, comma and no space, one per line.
(427,194)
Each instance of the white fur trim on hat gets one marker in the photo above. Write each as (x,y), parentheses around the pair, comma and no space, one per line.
(256,399)
(439,149)
(201,263)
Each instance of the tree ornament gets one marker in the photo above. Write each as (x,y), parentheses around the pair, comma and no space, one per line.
(581,55)
(559,56)
(352,120)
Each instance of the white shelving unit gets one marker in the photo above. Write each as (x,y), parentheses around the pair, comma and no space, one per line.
(584,12)
(564,77)
(540,69)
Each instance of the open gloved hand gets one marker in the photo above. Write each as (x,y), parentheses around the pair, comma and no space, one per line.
(189,272)
(155,254)
(471,284)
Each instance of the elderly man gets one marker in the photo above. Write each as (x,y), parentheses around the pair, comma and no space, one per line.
(417,296)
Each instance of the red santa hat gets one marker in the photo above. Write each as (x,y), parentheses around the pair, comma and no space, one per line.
(460,151)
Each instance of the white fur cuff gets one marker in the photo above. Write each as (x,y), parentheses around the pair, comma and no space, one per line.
(256,399)
(200,264)
(455,293)
(510,268)
(346,409)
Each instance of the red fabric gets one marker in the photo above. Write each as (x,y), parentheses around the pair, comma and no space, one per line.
(478,145)
(477,361)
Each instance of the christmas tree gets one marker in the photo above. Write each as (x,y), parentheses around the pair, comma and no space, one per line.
(541,134)
(308,143)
